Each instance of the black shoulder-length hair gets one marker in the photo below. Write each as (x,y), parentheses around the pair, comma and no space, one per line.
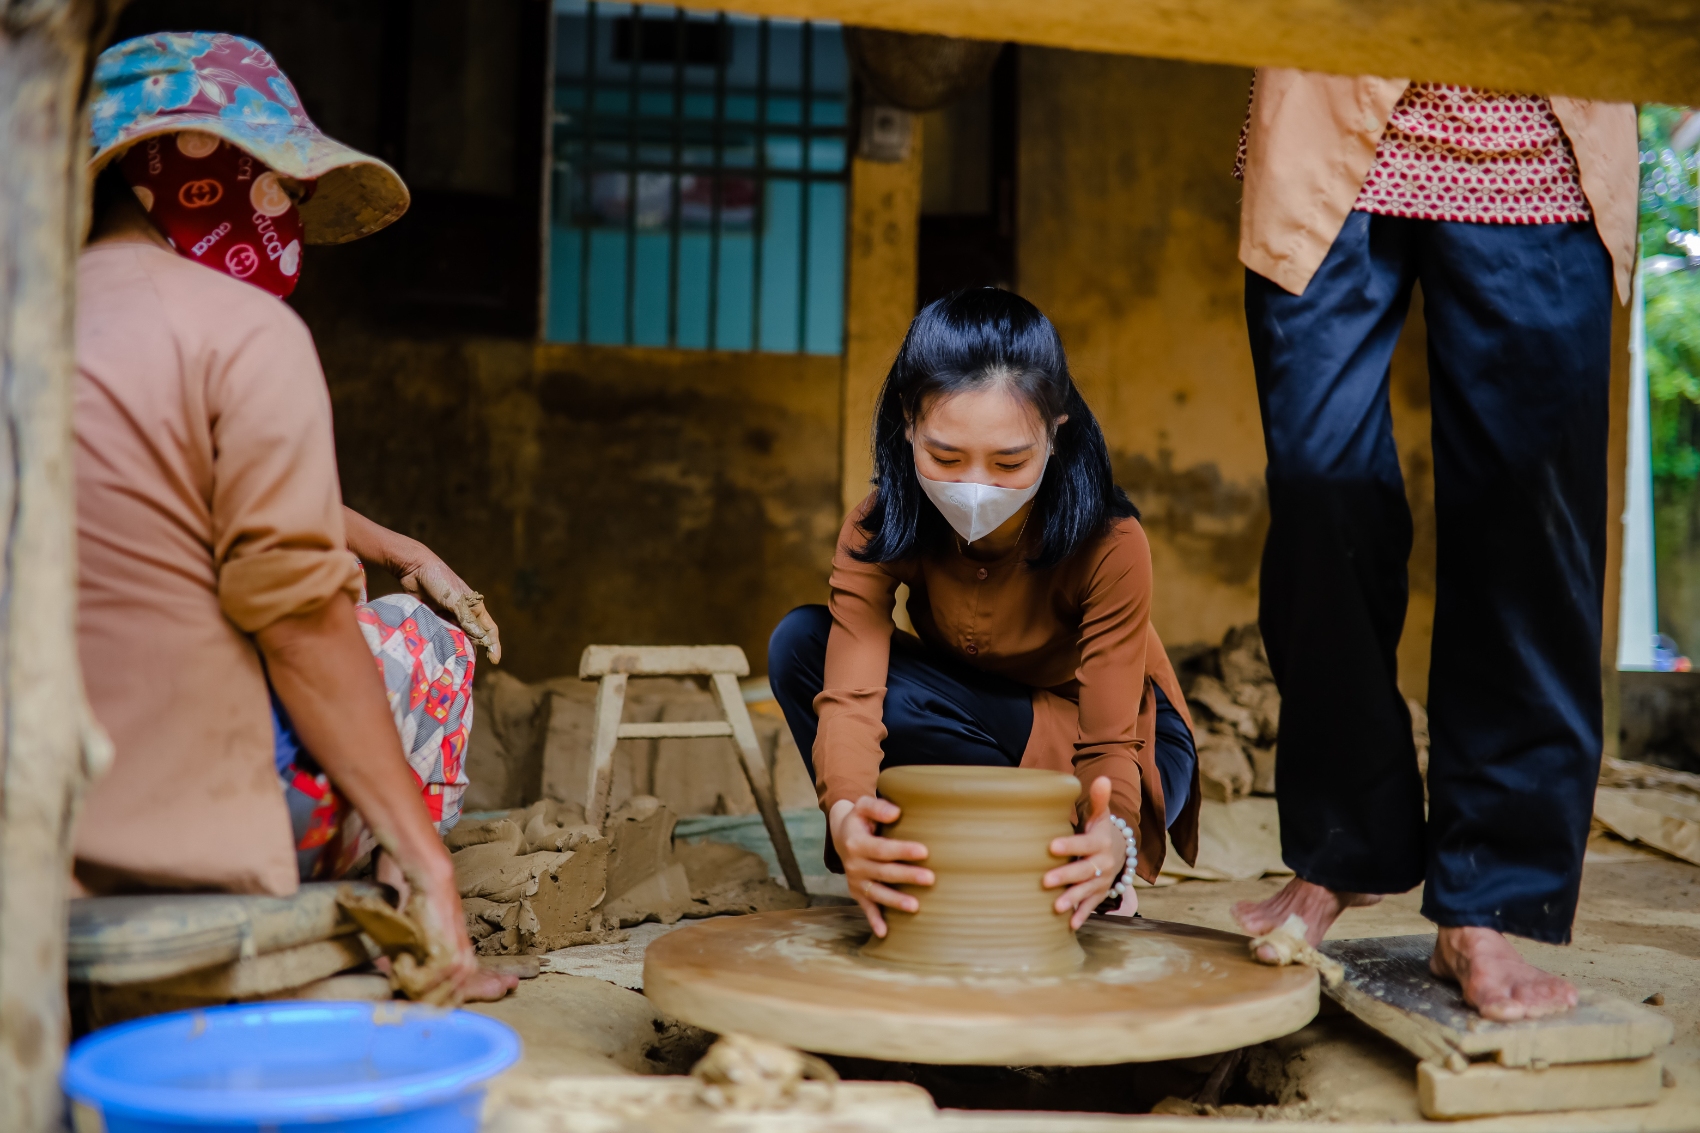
(965,341)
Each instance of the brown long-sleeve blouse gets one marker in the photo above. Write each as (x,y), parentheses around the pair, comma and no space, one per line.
(1079,633)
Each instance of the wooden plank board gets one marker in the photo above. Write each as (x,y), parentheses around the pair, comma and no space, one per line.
(662,660)
(1620,50)
(676,730)
(137,938)
(1667,820)
(270,972)
(1389,986)
(1486,1088)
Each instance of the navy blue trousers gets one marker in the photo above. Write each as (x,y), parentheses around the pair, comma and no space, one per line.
(939,710)
(1519,334)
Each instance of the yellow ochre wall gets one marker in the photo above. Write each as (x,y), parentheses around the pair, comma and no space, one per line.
(1129,227)
(597,494)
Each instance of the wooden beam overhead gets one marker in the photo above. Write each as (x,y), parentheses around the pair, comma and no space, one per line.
(1621,50)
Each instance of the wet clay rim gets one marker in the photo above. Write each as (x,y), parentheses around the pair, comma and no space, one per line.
(1016,787)
(1149,990)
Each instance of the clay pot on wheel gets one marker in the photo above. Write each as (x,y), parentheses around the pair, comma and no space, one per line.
(988,832)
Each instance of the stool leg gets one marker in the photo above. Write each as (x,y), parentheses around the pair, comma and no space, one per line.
(610,705)
(755,770)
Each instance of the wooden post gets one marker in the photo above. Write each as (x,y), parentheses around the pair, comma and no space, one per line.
(45,48)
(731,700)
(1617,457)
(885,228)
(610,706)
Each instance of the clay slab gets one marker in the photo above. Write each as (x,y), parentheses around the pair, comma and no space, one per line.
(1149,990)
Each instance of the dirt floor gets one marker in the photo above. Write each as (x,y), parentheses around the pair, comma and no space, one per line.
(1637,935)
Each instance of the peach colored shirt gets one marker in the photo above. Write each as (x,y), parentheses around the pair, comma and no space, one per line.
(207,508)
(1079,633)
(1311,142)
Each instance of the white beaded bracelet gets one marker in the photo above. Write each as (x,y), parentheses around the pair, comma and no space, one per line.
(1123,886)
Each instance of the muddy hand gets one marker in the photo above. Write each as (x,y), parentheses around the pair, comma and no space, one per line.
(1100,854)
(445,589)
(450,974)
(872,865)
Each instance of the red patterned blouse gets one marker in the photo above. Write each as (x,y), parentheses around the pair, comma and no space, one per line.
(1457,153)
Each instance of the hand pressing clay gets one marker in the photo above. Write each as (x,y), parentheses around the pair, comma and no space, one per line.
(988,832)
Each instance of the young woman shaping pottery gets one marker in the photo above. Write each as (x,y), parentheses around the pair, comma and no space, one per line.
(1030,586)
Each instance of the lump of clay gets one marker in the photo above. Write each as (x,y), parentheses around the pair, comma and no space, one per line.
(504,753)
(1288,943)
(644,879)
(531,902)
(749,1075)
(1214,695)
(730,879)
(1225,773)
(479,832)
(541,834)
(1235,705)
(551,811)
(710,865)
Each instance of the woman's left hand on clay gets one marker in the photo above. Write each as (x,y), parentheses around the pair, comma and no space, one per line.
(1100,854)
(425,576)
(430,578)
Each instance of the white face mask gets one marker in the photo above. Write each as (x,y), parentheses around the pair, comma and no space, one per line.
(977,510)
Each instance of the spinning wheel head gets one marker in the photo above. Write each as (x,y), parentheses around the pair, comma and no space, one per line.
(1147,990)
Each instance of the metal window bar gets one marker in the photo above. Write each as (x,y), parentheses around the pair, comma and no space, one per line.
(634,108)
(676,179)
(760,222)
(586,163)
(805,163)
(639,128)
(717,187)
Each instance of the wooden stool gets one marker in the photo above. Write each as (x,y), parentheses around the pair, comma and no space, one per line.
(722,665)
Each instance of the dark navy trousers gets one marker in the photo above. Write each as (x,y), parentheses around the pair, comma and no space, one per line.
(1519,339)
(940,710)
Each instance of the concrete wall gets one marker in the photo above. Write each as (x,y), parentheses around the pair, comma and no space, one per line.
(1129,229)
(594,494)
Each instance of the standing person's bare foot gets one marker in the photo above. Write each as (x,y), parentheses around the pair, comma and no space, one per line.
(1497,981)
(1318,907)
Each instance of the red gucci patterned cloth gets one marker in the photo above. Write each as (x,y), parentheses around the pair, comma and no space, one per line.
(218,205)
(1457,153)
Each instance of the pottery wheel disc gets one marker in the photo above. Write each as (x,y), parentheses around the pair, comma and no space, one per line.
(1149,990)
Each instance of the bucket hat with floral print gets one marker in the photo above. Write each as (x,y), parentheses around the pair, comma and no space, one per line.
(232,88)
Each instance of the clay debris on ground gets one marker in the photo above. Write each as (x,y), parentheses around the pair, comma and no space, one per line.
(1656,806)
(1236,710)
(541,878)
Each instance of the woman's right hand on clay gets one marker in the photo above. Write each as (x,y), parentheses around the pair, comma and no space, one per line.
(445,929)
(872,865)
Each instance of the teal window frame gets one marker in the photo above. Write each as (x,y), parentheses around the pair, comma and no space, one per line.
(697,201)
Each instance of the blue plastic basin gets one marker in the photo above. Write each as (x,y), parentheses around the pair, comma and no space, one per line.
(292,1068)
